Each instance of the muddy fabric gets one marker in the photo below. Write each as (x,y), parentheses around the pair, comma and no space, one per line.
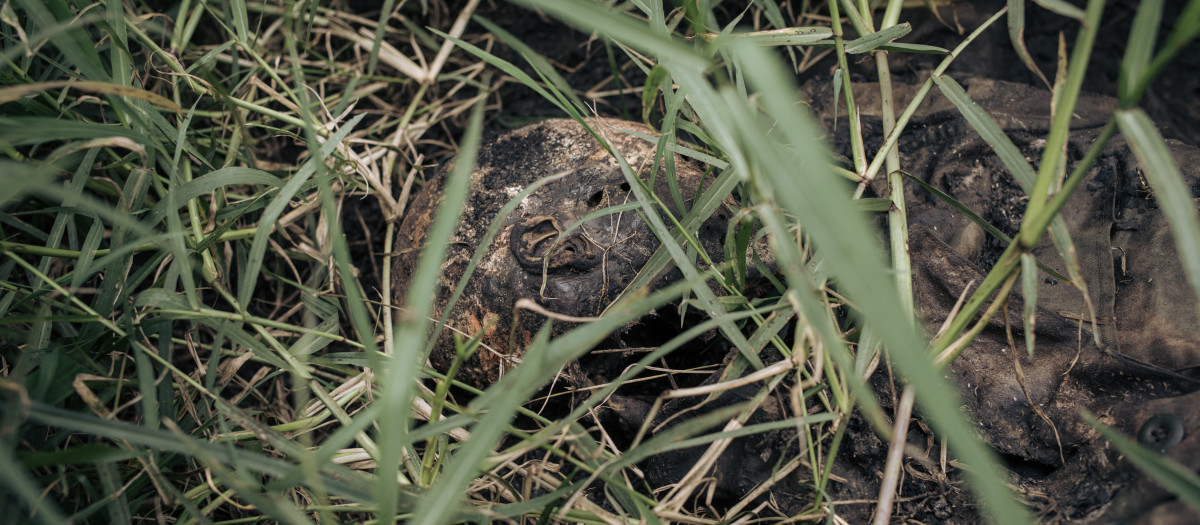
(1147,315)
(1054,452)
(1145,309)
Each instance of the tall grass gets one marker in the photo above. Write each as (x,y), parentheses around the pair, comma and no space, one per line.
(186,333)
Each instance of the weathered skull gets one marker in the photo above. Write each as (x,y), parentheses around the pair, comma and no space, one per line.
(588,263)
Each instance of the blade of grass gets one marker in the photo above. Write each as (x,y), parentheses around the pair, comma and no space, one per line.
(540,64)
(19,484)
(989,130)
(857,150)
(266,223)
(1019,167)
(1054,154)
(410,332)
(1173,476)
(1063,8)
(902,122)
(75,45)
(1140,48)
(23,130)
(209,182)
(12,93)
(704,295)
(843,237)
(877,39)
(1039,213)
(514,71)
(788,36)
(238,9)
(341,481)
(1029,284)
(983,223)
(1187,27)
(541,361)
(898,212)
(1172,195)
(1010,258)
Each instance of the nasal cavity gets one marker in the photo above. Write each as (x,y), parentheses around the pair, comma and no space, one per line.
(537,236)
(533,238)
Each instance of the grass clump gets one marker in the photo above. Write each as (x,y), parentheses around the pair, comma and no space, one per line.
(198,204)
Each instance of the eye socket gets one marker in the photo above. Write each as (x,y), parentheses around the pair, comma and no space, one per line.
(595,199)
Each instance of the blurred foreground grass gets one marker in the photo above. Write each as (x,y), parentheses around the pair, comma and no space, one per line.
(188,334)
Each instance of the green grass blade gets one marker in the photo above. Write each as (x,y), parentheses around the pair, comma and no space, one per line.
(17,178)
(1019,167)
(665,47)
(445,496)
(338,480)
(538,62)
(1029,287)
(1063,8)
(1140,49)
(238,9)
(510,69)
(1187,27)
(817,199)
(77,455)
(110,482)
(76,45)
(788,36)
(411,331)
(875,40)
(1054,154)
(19,131)
(1172,194)
(18,485)
(541,361)
(266,224)
(1016,34)
(702,208)
(989,131)
(1175,477)
(902,121)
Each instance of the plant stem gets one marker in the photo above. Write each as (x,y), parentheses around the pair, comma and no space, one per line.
(1054,155)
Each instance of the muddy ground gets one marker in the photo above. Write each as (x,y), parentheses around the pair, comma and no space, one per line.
(1137,374)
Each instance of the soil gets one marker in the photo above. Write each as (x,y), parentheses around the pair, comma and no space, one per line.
(1137,371)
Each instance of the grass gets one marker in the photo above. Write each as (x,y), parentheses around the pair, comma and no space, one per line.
(187,331)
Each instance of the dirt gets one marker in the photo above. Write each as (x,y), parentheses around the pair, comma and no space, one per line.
(1027,408)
